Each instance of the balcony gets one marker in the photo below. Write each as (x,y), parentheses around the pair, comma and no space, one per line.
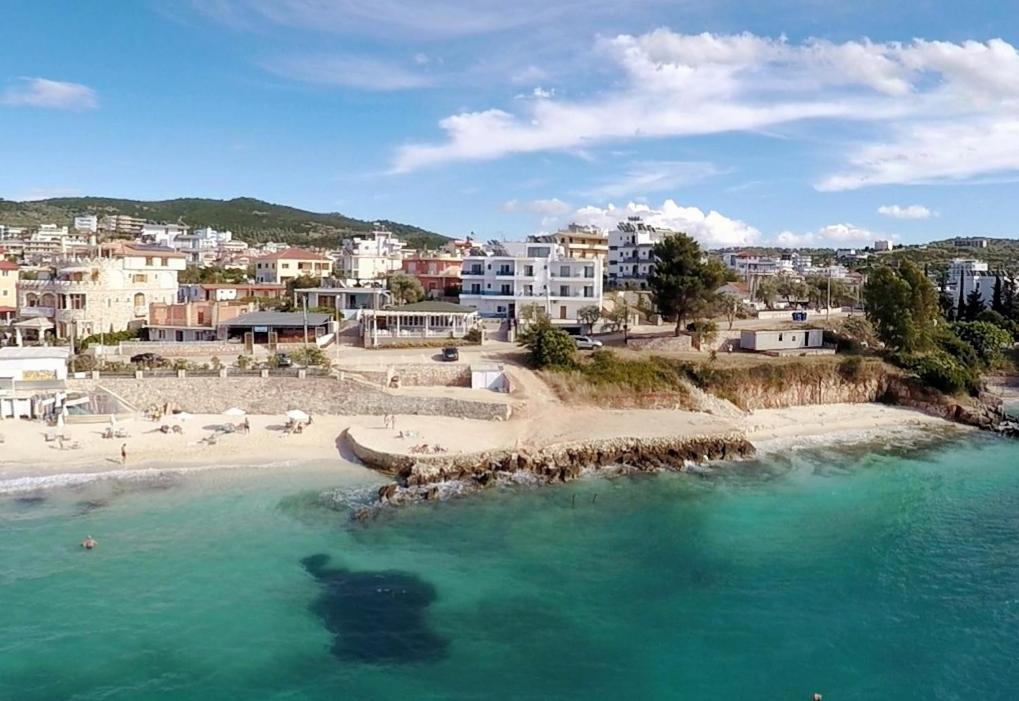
(472,272)
(37,311)
(487,293)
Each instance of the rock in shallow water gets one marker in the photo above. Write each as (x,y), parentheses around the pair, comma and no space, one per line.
(375,617)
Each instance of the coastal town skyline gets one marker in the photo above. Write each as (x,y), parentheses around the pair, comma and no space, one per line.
(808,125)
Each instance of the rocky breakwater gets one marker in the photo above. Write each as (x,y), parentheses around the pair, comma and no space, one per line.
(434,477)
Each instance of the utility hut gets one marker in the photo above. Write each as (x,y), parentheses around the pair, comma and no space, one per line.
(784,341)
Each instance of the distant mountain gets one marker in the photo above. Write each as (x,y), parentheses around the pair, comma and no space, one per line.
(251,220)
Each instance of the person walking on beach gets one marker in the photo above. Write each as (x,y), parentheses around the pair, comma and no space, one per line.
(123,454)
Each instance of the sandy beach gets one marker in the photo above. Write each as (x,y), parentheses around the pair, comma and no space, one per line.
(25,453)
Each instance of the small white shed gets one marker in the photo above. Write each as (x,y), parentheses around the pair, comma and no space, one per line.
(781,339)
(489,377)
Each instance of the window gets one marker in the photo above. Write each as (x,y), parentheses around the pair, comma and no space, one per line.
(505,290)
(564,271)
(780,337)
(564,290)
(285,265)
(529,271)
(139,299)
(165,262)
(76,301)
(139,279)
(148,262)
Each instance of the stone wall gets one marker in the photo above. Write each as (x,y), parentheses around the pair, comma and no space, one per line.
(420,375)
(227,352)
(274,395)
(663,343)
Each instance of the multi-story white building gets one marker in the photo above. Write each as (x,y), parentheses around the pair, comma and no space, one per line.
(162,234)
(364,260)
(967,274)
(122,224)
(216,237)
(883,245)
(86,223)
(502,286)
(111,292)
(630,245)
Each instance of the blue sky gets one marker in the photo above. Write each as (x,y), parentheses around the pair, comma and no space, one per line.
(795,121)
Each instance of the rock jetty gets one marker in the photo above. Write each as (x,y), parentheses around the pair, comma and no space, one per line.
(431,477)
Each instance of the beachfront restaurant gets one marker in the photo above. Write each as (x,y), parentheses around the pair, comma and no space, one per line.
(278,327)
(33,381)
(420,321)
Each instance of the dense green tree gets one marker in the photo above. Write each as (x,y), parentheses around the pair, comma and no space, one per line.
(902,306)
(405,289)
(211,274)
(766,292)
(682,281)
(549,347)
(589,316)
(986,338)
(790,288)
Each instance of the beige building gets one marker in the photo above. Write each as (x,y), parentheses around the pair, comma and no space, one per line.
(579,242)
(8,284)
(111,292)
(282,266)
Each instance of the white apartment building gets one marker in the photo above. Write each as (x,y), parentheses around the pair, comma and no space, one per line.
(883,245)
(969,274)
(162,234)
(111,292)
(216,237)
(630,245)
(501,286)
(86,223)
(364,260)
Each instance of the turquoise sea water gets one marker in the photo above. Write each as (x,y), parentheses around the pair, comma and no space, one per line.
(866,572)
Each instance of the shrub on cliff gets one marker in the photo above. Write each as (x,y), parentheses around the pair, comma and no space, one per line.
(986,338)
(941,371)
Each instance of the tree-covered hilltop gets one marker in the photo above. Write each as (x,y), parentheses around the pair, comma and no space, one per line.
(251,220)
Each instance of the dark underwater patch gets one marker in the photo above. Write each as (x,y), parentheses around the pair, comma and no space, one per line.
(376,617)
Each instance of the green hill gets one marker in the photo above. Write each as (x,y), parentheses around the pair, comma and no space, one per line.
(251,220)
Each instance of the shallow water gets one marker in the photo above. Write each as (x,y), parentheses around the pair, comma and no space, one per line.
(869,572)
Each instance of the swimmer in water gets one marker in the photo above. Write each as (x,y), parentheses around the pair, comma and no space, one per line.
(89,543)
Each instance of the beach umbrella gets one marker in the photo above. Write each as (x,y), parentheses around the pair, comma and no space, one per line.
(60,421)
(234,411)
(297,415)
(113,421)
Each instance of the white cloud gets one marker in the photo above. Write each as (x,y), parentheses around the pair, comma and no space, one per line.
(933,153)
(834,235)
(41,92)
(546,208)
(654,176)
(711,229)
(667,84)
(357,72)
(436,18)
(913,211)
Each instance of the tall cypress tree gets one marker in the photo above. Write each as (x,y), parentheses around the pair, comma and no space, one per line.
(960,315)
(974,304)
(996,297)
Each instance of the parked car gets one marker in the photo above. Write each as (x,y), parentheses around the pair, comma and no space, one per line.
(450,354)
(587,343)
(282,360)
(149,360)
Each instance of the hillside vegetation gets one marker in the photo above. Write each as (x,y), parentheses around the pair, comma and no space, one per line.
(251,220)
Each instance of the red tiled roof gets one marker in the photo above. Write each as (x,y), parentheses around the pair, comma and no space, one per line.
(7,265)
(293,254)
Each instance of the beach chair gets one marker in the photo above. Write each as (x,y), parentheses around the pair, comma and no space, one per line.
(51,436)
(122,433)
